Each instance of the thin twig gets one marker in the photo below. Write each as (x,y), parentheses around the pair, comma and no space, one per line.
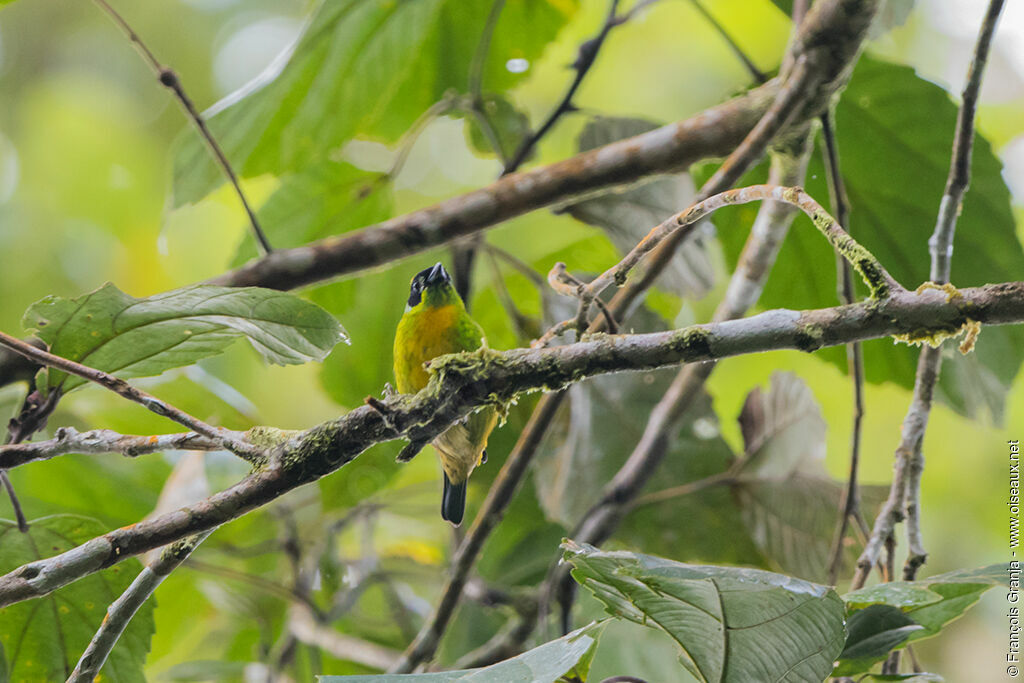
(879,281)
(19,514)
(849,502)
(689,488)
(905,493)
(127,391)
(505,485)
(170,80)
(483,48)
(756,73)
(464,254)
(34,412)
(121,611)
(70,440)
(585,59)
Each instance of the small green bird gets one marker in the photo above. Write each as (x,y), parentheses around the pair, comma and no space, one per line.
(436,323)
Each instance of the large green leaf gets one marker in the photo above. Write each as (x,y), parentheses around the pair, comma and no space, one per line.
(871,634)
(732,624)
(362,68)
(567,658)
(895,134)
(935,601)
(327,198)
(117,333)
(43,638)
(627,215)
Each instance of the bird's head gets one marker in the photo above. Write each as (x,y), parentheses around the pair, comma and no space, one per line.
(432,288)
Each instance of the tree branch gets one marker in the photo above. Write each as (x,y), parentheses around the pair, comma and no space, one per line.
(460,383)
(905,493)
(70,440)
(127,391)
(830,37)
(121,611)
(875,276)
(673,147)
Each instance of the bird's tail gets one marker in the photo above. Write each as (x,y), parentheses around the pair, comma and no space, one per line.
(453,502)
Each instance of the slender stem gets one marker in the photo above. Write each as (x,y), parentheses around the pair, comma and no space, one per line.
(464,255)
(585,59)
(170,80)
(19,515)
(422,649)
(875,276)
(127,391)
(121,611)
(849,503)
(905,492)
(32,417)
(70,440)
(720,479)
(756,73)
(483,48)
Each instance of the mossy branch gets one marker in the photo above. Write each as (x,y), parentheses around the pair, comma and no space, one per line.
(879,282)
(462,383)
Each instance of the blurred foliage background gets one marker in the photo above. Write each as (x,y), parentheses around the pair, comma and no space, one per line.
(87,141)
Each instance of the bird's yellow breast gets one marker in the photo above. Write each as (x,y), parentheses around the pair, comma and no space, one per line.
(422,335)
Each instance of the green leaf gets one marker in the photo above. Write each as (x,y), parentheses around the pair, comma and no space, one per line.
(935,601)
(568,656)
(895,135)
(362,68)
(43,638)
(117,333)
(871,633)
(327,198)
(627,215)
(505,123)
(732,624)
(788,502)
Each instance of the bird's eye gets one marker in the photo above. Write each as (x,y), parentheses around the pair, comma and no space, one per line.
(416,286)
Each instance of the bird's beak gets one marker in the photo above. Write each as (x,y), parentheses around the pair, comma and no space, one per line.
(437,275)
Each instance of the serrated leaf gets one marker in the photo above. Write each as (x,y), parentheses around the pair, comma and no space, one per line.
(626,215)
(732,624)
(935,601)
(568,656)
(44,638)
(871,634)
(111,331)
(362,67)
(326,198)
(895,135)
